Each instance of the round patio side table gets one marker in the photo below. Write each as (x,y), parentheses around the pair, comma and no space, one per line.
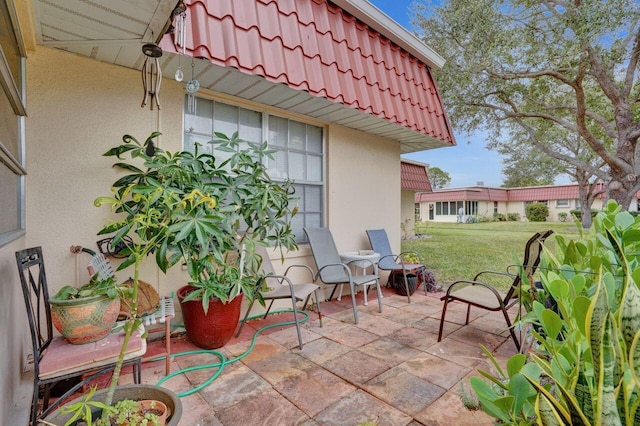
(360,262)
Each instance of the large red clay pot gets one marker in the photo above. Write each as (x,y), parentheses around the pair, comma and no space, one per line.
(214,329)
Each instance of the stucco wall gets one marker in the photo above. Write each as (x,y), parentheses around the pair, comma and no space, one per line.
(363,190)
(408,213)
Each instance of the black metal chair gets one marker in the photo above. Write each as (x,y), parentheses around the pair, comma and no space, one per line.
(54,358)
(485,296)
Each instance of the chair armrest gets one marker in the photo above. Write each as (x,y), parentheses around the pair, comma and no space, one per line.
(505,274)
(472,282)
(308,268)
(345,267)
(281,279)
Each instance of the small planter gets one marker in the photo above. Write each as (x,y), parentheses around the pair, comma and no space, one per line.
(84,320)
(135,393)
(215,328)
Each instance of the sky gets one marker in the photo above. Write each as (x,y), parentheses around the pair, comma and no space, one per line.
(467,163)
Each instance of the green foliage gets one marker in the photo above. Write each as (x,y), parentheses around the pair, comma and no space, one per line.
(562,217)
(578,214)
(127,412)
(536,212)
(585,369)
(513,217)
(83,408)
(499,217)
(208,213)
(438,178)
(95,287)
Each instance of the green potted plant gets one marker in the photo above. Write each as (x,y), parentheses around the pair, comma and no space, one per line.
(87,313)
(210,214)
(584,369)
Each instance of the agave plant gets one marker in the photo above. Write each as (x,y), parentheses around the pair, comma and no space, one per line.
(586,369)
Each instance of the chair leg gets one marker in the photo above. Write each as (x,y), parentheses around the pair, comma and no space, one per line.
(444,313)
(379,292)
(245,317)
(513,333)
(34,405)
(295,318)
(406,285)
(335,287)
(318,306)
(353,301)
(468,314)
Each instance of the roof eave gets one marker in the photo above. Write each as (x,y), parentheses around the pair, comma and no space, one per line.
(378,20)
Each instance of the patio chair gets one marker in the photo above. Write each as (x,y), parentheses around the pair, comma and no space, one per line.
(484,296)
(54,358)
(332,271)
(281,287)
(389,261)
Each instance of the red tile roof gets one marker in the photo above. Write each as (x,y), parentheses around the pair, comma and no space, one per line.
(315,46)
(483,193)
(414,177)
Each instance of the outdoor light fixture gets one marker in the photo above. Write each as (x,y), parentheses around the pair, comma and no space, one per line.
(151,74)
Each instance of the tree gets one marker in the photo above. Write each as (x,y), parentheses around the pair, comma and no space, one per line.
(566,67)
(438,178)
(525,166)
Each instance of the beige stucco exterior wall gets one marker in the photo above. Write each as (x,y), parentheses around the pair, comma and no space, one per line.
(407,213)
(363,187)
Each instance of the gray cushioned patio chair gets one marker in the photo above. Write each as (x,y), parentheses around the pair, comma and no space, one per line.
(332,271)
(483,295)
(283,288)
(389,261)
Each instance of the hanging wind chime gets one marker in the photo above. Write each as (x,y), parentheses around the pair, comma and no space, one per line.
(151,75)
(180,40)
(180,35)
(192,88)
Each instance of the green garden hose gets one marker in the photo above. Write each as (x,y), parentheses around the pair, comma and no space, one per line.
(223,361)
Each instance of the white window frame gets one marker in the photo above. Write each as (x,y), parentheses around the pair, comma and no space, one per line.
(322,184)
(564,205)
(15,94)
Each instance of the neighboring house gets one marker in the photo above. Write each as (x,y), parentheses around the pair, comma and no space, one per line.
(482,201)
(338,89)
(414,179)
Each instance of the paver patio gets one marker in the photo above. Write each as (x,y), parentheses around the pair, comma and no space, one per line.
(388,369)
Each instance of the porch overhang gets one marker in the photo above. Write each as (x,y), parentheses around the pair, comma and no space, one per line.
(343,62)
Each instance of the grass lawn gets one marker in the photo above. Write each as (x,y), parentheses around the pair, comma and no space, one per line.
(459,251)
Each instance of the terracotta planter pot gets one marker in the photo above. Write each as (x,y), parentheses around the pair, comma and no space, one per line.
(216,328)
(136,393)
(153,405)
(84,320)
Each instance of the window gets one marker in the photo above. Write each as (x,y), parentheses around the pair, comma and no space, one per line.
(416,213)
(12,131)
(495,207)
(577,203)
(298,146)
(562,203)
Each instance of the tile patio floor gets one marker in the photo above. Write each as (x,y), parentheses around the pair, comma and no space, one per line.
(389,368)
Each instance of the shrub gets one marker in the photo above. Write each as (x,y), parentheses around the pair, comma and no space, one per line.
(513,217)
(578,213)
(537,212)
(499,217)
(562,217)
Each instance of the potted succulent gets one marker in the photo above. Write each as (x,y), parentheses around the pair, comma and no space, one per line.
(88,313)
(208,215)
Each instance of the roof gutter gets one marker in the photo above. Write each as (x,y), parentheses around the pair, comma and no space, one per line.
(379,21)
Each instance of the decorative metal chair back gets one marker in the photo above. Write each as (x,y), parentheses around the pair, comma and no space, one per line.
(530,262)
(36,297)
